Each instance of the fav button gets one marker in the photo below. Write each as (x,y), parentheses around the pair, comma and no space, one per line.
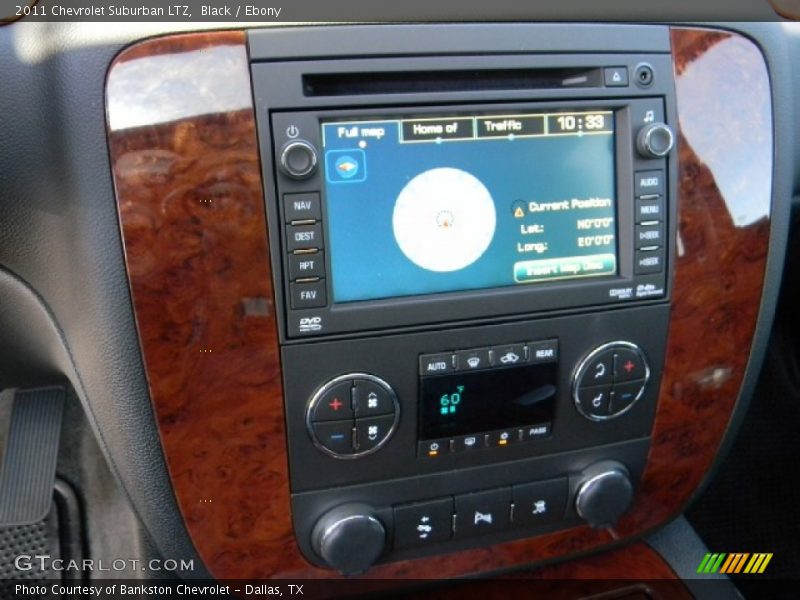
(423,523)
(482,512)
(309,295)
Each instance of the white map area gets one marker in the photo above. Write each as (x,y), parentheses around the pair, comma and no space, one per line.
(444,219)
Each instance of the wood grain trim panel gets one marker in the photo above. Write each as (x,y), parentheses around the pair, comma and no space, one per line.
(187,176)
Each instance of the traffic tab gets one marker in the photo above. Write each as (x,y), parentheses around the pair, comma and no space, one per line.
(433,130)
(516,126)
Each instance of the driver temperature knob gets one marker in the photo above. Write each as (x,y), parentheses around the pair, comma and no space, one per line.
(604,494)
(349,538)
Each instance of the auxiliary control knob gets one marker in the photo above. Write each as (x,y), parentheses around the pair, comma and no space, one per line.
(604,494)
(655,140)
(349,538)
(298,159)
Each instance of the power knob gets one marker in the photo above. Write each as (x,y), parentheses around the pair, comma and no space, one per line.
(349,538)
(604,494)
(655,140)
(298,159)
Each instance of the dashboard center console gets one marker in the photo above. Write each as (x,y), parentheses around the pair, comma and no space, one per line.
(472,258)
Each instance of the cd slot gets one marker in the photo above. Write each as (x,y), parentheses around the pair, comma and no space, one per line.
(404,82)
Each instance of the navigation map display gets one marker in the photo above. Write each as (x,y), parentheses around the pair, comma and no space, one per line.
(468,201)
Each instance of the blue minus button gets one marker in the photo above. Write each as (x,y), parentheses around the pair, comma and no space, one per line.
(335,436)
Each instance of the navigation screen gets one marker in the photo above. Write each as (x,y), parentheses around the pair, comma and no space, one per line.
(463,202)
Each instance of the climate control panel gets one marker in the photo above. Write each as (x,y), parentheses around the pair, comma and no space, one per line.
(352,415)
(471,436)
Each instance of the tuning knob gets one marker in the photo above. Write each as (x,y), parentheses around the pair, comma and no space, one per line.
(604,494)
(349,538)
(655,140)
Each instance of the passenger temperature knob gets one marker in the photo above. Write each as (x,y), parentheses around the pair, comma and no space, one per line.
(655,140)
(604,494)
(349,538)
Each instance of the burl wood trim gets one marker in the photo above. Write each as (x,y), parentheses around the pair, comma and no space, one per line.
(192,215)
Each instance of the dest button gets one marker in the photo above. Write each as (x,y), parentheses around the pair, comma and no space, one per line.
(540,502)
(423,523)
(482,512)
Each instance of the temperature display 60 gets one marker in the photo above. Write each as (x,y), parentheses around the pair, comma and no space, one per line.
(481,401)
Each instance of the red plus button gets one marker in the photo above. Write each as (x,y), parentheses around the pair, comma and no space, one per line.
(335,404)
(628,365)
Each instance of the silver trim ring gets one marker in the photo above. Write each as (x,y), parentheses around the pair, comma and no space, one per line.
(284,163)
(583,366)
(316,397)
